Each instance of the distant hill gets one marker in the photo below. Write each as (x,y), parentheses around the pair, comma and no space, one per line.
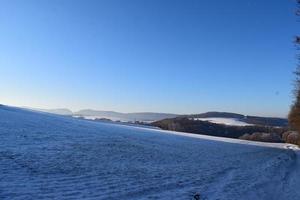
(216,114)
(266,121)
(151,116)
(141,116)
(111,115)
(226,124)
(255,120)
(58,111)
(183,124)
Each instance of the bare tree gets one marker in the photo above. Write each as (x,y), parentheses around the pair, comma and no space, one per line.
(294,115)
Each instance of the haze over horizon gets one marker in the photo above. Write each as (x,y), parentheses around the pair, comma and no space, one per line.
(61,109)
(165,56)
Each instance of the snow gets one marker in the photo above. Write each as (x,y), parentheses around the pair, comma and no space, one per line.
(226,121)
(44,156)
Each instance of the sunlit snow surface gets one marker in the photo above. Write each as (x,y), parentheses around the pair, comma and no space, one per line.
(226,121)
(43,156)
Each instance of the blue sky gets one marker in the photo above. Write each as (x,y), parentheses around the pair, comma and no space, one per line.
(177,56)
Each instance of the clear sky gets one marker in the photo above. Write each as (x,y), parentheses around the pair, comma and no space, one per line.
(177,56)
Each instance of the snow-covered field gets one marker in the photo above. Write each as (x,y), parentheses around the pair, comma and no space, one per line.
(226,121)
(43,156)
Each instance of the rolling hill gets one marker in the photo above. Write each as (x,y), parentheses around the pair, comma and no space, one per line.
(46,156)
(141,116)
(254,120)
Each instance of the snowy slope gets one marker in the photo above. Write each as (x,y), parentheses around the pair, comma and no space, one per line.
(44,156)
(226,121)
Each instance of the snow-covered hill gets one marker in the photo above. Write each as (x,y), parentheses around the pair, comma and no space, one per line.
(44,156)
